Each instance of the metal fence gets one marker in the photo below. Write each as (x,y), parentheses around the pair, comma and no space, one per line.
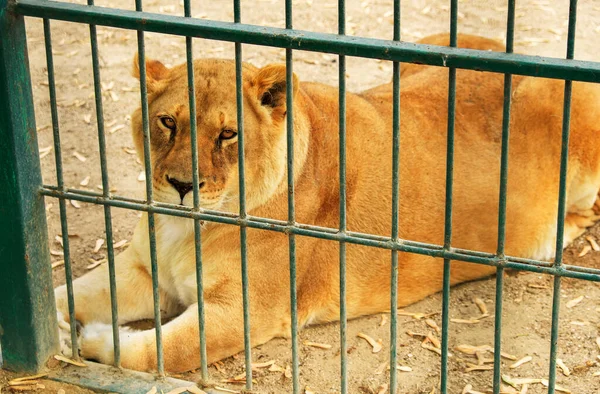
(27,313)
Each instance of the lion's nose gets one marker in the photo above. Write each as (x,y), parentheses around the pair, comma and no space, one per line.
(182,188)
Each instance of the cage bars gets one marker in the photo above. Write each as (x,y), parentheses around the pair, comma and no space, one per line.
(395,207)
(449,188)
(510,36)
(242,200)
(562,200)
(289,77)
(160,365)
(196,190)
(342,197)
(546,67)
(342,45)
(110,251)
(61,185)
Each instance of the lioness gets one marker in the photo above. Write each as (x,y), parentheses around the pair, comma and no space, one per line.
(531,212)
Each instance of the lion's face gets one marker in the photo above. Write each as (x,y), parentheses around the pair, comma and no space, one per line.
(217,132)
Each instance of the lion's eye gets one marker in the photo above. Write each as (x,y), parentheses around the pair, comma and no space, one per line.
(227,134)
(168,122)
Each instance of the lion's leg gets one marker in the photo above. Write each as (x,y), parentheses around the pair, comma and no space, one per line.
(576,225)
(92,293)
(180,338)
(581,211)
(93,301)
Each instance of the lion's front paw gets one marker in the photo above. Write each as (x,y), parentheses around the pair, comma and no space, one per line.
(97,343)
(64,335)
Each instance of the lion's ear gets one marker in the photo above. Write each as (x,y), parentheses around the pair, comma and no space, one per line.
(155,72)
(270,83)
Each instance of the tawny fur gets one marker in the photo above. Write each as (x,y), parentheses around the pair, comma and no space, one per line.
(531,209)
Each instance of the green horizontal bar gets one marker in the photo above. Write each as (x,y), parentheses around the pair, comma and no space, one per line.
(401,245)
(230,218)
(183,211)
(318,42)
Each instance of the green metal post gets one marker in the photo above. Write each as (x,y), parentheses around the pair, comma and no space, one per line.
(110,251)
(449,188)
(510,36)
(395,208)
(562,200)
(160,362)
(196,189)
(28,327)
(291,207)
(60,183)
(343,229)
(243,213)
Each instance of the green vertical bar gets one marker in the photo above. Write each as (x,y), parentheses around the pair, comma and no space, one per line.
(564,154)
(243,214)
(510,33)
(562,198)
(196,190)
(342,154)
(291,209)
(448,216)
(106,193)
(395,208)
(26,296)
(61,185)
(149,196)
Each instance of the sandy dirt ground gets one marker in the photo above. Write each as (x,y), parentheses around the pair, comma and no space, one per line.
(541,28)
